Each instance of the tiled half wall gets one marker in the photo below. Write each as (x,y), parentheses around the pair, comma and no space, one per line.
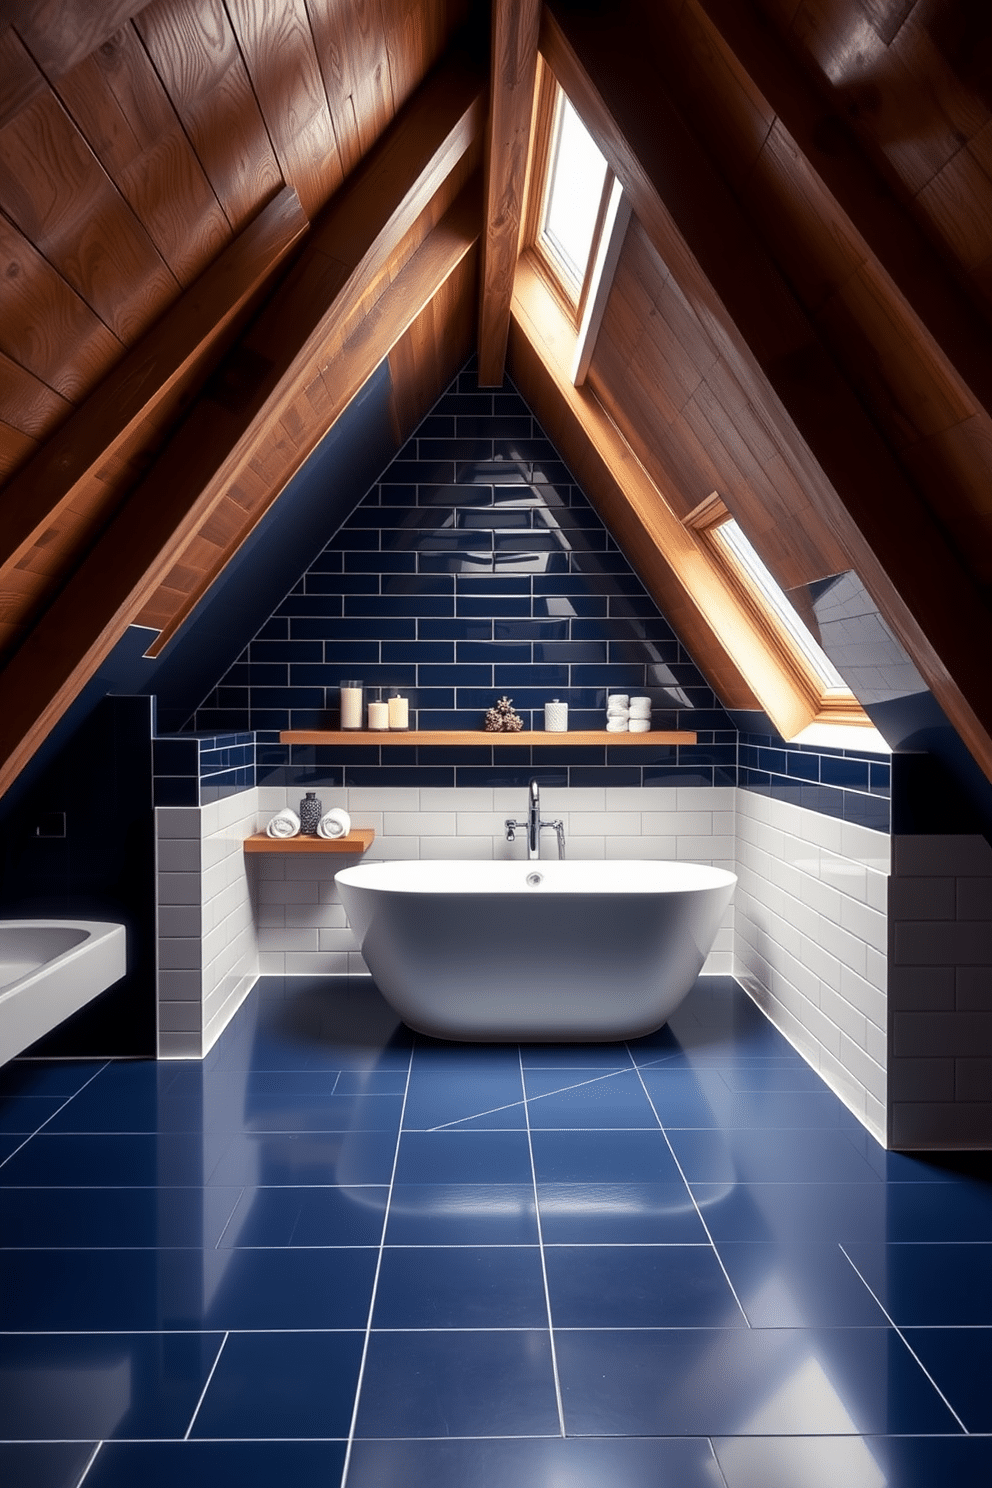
(807,932)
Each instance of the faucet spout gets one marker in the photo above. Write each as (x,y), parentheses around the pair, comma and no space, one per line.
(534,820)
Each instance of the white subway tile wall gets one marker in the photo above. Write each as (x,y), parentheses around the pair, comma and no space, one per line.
(811,941)
(940,991)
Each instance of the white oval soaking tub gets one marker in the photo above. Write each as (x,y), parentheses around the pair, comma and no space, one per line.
(534,951)
(48,970)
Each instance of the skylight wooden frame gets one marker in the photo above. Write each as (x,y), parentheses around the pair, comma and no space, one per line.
(831,705)
(550,99)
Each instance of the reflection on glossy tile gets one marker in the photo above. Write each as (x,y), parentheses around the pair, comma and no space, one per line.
(875,1462)
(745,1382)
(66,1218)
(618,1463)
(307,1216)
(959,1361)
(639,1286)
(634,1213)
(463,1157)
(44,1464)
(929,1285)
(93,1386)
(462,1214)
(796,1285)
(458,1384)
(603,1157)
(464,1287)
(282,1385)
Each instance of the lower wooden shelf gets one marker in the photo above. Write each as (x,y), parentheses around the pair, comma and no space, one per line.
(358,840)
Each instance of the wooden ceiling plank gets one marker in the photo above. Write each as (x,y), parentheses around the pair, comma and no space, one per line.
(139,383)
(20,79)
(28,404)
(515,29)
(60,33)
(154,529)
(855,485)
(195,52)
(728,643)
(15,448)
(278,47)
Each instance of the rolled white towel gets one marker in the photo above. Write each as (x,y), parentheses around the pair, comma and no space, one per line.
(640,707)
(285,823)
(615,725)
(334,823)
(617,702)
(639,726)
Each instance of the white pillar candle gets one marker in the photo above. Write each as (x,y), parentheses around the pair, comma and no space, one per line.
(378,715)
(399,712)
(351,705)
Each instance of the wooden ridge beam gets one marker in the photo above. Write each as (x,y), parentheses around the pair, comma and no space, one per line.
(733,649)
(352,244)
(515,29)
(143,381)
(853,482)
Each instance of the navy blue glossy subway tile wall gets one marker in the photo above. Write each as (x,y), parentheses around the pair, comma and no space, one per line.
(835,782)
(474,568)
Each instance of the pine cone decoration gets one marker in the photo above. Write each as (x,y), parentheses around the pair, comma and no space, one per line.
(502,719)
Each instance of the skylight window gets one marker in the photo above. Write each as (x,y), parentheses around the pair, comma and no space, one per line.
(729,535)
(574,196)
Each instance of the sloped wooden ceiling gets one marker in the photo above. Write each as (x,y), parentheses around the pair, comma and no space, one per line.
(218,216)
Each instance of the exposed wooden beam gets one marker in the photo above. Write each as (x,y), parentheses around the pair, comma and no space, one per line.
(354,362)
(853,482)
(230,424)
(734,651)
(144,379)
(515,30)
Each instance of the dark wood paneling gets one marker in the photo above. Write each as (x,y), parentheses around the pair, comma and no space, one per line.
(117,100)
(195,52)
(60,33)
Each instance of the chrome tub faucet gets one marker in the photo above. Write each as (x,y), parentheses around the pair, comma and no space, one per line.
(534,825)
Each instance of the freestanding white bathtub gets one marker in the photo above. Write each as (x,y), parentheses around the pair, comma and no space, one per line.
(531,951)
(48,970)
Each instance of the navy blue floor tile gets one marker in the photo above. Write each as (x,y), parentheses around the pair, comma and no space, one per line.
(745,1382)
(99,1385)
(856,1462)
(799,1285)
(307,1216)
(321,1113)
(116,1218)
(774,1076)
(170,1290)
(487,1098)
(368,1082)
(936,1286)
(22,1115)
(215,1464)
(282,1384)
(574,1056)
(633,1213)
(639,1286)
(610,1101)
(8,1146)
(43,1079)
(463,1157)
(136,1096)
(578,1463)
(44,1465)
(677,1097)
(959,1361)
(461,1383)
(294,1158)
(725,1156)
(462,1214)
(494,1286)
(603,1157)
(110,1161)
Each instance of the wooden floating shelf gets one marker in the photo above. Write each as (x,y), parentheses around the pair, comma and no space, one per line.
(358,840)
(536,738)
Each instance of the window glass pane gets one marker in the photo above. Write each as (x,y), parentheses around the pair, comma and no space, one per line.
(575,189)
(732,538)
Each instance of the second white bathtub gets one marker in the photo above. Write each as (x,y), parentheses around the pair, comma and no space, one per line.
(531,951)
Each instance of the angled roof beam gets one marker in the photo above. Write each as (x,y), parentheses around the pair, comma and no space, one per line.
(515,29)
(853,481)
(141,384)
(351,249)
(731,646)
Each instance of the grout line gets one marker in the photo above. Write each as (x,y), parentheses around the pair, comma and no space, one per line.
(92,1458)
(375,1280)
(692,1196)
(544,1095)
(206,1386)
(227,1223)
(895,1326)
(68,1101)
(540,1242)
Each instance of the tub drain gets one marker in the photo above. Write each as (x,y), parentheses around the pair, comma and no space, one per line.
(534,879)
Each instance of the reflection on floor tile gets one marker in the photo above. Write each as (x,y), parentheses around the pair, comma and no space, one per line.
(335,1252)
